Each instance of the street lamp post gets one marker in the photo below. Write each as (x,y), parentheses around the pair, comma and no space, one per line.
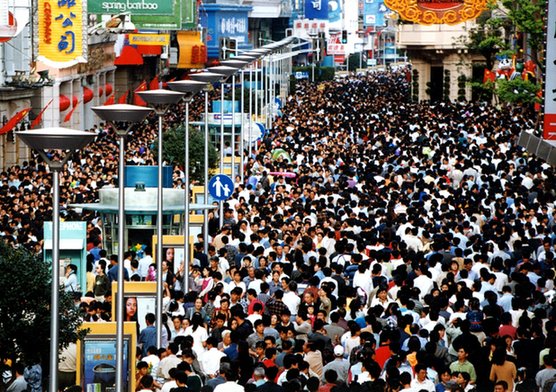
(67,141)
(160,100)
(239,64)
(190,88)
(113,114)
(251,57)
(208,78)
(226,72)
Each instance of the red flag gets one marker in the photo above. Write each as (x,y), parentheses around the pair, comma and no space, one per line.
(137,100)
(38,119)
(123,98)
(153,85)
(110,101)
(165,84)
(489,75)
(14,121)
(68,116)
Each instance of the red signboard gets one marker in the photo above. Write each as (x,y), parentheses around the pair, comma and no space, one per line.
(437,11)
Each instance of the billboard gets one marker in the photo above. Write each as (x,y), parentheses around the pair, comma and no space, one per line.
(61,37)
(150,14)
(316,9)
(549,126)
(429,12)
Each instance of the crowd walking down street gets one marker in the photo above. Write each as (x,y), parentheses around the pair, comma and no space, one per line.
(389,246)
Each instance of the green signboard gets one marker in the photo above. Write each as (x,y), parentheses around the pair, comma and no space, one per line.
(150,14)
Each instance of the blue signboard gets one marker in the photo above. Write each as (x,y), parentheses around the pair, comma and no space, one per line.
(316,9)
(374,11)
(334,11)
(225,20)
(221,187)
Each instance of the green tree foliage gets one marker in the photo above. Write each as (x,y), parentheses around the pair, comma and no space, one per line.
(174,151)
(488,37)
(25,292)
(528,17)
(517,91)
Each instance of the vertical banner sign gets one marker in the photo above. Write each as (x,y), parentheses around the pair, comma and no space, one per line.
(374,11)
(549,126)
(316,9)
(61,40)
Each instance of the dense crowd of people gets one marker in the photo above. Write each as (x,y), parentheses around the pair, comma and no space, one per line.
(394,246)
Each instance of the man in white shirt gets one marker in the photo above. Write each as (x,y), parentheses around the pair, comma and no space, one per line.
(169,362)
(210,359)
(291,299)
(422,281)
(421,382)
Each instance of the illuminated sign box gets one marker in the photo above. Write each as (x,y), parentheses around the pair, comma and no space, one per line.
(149,39)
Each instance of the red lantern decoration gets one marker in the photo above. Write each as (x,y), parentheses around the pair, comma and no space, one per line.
(195,53)
(88,95)
(64,103)
(203,54)
(108,89)
(74,101)
(100,91)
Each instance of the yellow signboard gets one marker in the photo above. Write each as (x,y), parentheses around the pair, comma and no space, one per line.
(437,11)
(61,42)
(149,39)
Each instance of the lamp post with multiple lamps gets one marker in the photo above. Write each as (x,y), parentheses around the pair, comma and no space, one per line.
(239,64)
(190,88)
(208,78)
(66,141)
(249,58)
(114,114)
(160,100)
(226,72)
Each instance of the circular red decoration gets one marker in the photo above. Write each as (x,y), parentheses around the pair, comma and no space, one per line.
(64,103)
(87,95)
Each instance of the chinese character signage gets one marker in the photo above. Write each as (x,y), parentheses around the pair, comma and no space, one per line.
(550,81)
(61,40)
(437,11)
(231,26)
(150,14)
(373,13)
(316,9)
(312,27)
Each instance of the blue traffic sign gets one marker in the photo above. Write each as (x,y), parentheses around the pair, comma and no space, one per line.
(221,187)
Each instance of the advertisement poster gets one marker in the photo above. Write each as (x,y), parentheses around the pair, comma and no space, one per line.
(137,307)
(99,364)
(174,256)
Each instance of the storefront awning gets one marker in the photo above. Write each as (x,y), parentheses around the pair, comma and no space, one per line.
(129,56)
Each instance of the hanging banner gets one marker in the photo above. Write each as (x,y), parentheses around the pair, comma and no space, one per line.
(549,126)
(437,11)
(374,12)
(316,9)
(62,42)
